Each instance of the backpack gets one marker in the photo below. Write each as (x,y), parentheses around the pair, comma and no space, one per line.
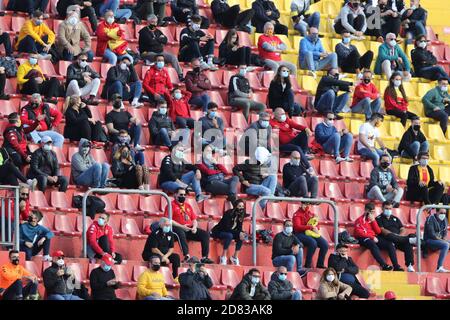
(93,205)
(10,66)
(345,237)
(265,236)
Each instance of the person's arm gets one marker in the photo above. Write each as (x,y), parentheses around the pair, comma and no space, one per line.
(72,74)
(428,101)
(406,63)
(93,73)
(296,125)
(207,281)
(92,240)
(344,19)
(191,86)
(50,34)
(86,37)
(186,280)
(351,267)
(56,115)
(238,170)
(277,294)
(34,165)
(260,13)
(324,293)
(344,289)
(14,142)
(167,169)
(50,279)
(278,247)
(154,127)
(28,30)
(237,91)
(142,285)
(62,37)
(161,37)
(375,227)
(133,75)
(205,170)
(413,178)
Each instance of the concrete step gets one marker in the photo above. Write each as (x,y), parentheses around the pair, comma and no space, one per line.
(399,289)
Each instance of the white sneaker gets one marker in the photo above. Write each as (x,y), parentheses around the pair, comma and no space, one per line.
(359,76)
(411,268)
(312,74)
(137,104)
(339,159)
(413,240)
(223,261)
(47,258)
(32,183)
(213,67)
(204,66)
(442,270)
(139,148)
(235,261)
(47,56)
(348,159)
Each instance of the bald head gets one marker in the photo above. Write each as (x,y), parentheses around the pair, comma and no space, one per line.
(295,158)
(282,269)
(313,30)
(278,113)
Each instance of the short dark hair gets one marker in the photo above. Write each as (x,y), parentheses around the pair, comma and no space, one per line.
(37,14)
(386,155)
(82,54)
(252,270)
(212,105)
(154,257)
(420,36)
(415,118)
(376,115)
(179,188)
(369,206)
(160,102)
(196,18)
(13,117)
(422,154)
(123,131)
(442,79)
(387,203)
(286,221)
(341,245)
(159,55)
(12,252)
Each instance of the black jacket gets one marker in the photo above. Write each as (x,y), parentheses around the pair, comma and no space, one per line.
(75,72)
(329,82)
(226,222)
(187,36)
(278,97)
(409,137)
(98,279)
(250,172)
(242,84)
(422,58)
(291,173)
(260,17)
(338,263)
(170,171)
(279,290)
(124,76)
(194,287)
(435,229)
(282,244)
(57,284)
(218,8)
(420,14)
(158,122)
(242,291)
(74,121)
(413,191)
(151,40)
(43,163)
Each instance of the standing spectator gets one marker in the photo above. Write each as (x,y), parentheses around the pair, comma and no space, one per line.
(213,127)
(195,282)
(396,100)
(366,98)
(281,94)
(391,58)
(118,119)
(250,288)
(150,284)
(231,17)
(146,8)
(63,7)
(436,103)
(287,250)
(368,135)
(128,173)
(233,52)
(161,243)
(413,141)
(266,11)
(435,236)
(100,240)
(421,185)
(351,18)
(367,231)
(299,180)
(197,83)
(425,62)
(161,126)
(349,59)
(330,288)
(347,270)
(157,84)
(302,21)
(414,20)
(103,7)
(81,80)
(186,11)
(179,109)
(282,289)
(34,238)
(102,280)
(332,141)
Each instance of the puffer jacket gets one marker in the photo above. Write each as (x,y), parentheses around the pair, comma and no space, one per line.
(280,290)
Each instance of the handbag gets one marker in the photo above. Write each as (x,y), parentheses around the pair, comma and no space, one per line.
(10,66)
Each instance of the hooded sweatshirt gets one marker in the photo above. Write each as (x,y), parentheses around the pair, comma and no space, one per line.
(79,162)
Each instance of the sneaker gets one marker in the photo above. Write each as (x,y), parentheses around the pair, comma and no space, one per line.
(441,269)
(139,148)
(411,268)
(235,261)
(223,261)
(201,198)
(312,74)
(47,258)
(181,77)
(387,267)
(213,67)
(141,187)
(4,96)
(204,66)
(32,183)
(342,76)
(206,260)
(136,104)
(396,205)
(339,159)
(348,159)
(47,56)
(302,272)
(398,268)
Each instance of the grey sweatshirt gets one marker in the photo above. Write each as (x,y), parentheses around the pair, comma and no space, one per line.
(80,163)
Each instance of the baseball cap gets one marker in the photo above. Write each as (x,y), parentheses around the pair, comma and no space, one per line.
(389,295)
(58,253)
(46,139)
(108,259)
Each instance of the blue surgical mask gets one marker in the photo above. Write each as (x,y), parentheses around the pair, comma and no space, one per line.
(195,26)
(38,22)
(264,123)
(387,213)
(255,280)
(346,40)
(32,61)
(242,72)
(106,268)
(177,96)
(288,230)
(212,114)
(283,118)
(285,73)
(282,277)
(101,222)
(166,229)
(160,64)
(442,216)
(163,111)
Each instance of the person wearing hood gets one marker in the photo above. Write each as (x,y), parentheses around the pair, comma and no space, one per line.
(435,236)
(195,282)
(100,240)
(34,238)
(280,288)
(392,58)
(44,167)
(102,280)
(82,80)
(287,249)
(425,62)
(251,288)
(85,170)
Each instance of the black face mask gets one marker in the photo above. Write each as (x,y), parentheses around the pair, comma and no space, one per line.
(152,26)
(366,81)
(15,261)
(34,105)
(384,165)
(416,127)
(196,69)
(336,76)
(156,267)
(117,105)
(181,199)
(30,219)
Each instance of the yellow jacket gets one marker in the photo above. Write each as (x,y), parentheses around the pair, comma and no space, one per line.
(36,32)
(151,282)
(10,273)
(23,70)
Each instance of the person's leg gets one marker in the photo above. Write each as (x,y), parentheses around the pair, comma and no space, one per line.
(340,102)
(440,245)
(258,190)
(365,60)
(358,22)
(91,88)
(301,27)
(326,102)
(14,291)
(375,105)
(372,246)
(30,289)
(332,145)
(442,117)
(87,177)
(135,133)
(174,259)
(57,297)
(408,250)
(345,145)
(271,183)
(203,237)
(412,150)
(27,45)
(181,236)
(313,185)
(110,56)
(403,116)
(173,60)
(323,246)
(280,29)
(73,89)
(6,41)
(313,20)
(190,179)
(311,246)
(51,88)
(226,238)
(376,194)
(386,68)
(104,174)
(42,182)
(299,187)
(372,155)
(329,62)
(123,13)
(363,106)
(287,261)
(90,13)
(399,195)
(388,246)
(292,67)
(244,18)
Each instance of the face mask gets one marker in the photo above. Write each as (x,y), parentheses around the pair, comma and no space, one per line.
(413,7)
(32,61)
(85,150)
(181,199)
(288,230)
(60,263)
(166,229)
(392,43)
(242,72)
(397,83)
(416,127)
(124,140)
(163,111)
(106,268)
(255,280)
(384,165)
(196,69)
(117,104)
(195,26)
(346,40)
(179,154)
(285,73)
(177,96)
(47,147)
(124,154)
(83,64)
(295,162)
(160,64)
(72,21)
(330,278)
(282,277)
(152,26)
(34,105)
(329,122)
(15,261)
(156,267)
(366,81)
(38,22)
(110,20)
(423,45)
(336,76)
(101,222)
(313,37)
(264,123)
(19,124)
(444,88)
(423,162)
(212,115)
(283,118)
(442,216)
(123,66)
(387,213)
(355,5)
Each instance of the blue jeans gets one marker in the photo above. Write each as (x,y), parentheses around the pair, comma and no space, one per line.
(330,102)
(112,57)
(187,178)
(201,101)
(139,157)
(297,295)
(227,237)
(57,138)
(69,57)
(311,245)
(266,188)
(118,87)
(337,144)
(442,245)
(95,176)
(372,155)
(414,149)
(289,261)
(113,5)
(63,297)
(367,107)
(433,73)
(308,62)
(163,138)
(416,29)
(312,21)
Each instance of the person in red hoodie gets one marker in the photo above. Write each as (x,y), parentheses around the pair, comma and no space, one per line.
(366,98)
(49,118)
(395,99)
(309,235)
(100,240)
(179,109)
(157,83)
(366,231)
(15,142)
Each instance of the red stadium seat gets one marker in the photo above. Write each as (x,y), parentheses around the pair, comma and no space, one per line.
(355,211)
(215,277)
(128,203)
(8,106)
(216,97)
(259,212)
(214,208)
(123,276)
(230,278)
(48,69)
(196,207)
(350,170)
(297,282)
(159,156)
(365,169)
(65,225)
(168,278)
(435,287)
(255,83)
(79,272)
(110,200)
(313,280)
(17,22)
(60,155)
(137,271)
(238,121)
(291,209)
(332,191)
(38,201)
(328,168)
(32,267)
(79,223)
(354,191)
(150,205)
(275,211)
(129,227)
(99,155)
(61,202)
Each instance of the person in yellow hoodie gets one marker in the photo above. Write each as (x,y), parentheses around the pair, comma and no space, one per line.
(150,285)
(12,278)
(35,36)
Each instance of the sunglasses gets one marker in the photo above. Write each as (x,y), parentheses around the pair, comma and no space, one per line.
(330,119)
(283,273)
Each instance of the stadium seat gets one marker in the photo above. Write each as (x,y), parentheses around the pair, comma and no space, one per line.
(39,202)
(79,271)
(441,153)
(214,274)
(349,170)
(150,205)
(435,287)
(328,169)
(313,280)
(137,271)
(129,227)
(332,191)
(65,225)
(275,211)
(123,276)
(168,278)
(214,208)
(230,278)
(61,202)
(128,203)
(354,191)
(297,282)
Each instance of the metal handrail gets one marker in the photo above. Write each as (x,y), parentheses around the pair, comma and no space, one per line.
(272,198)
(122,191)
(16,242)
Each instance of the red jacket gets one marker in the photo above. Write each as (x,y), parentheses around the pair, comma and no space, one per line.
(287,129)
(392,104)
(366,229)
(197,83)
(54,113)
(180,108)
(157,81)
(95,232)
(179,215)
(209,172)
(300,220)
(363,91)
(16,138)
(23,214)
(102,32)
(272,40)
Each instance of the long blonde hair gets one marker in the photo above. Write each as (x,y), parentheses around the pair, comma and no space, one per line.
(118,153)
(69,102)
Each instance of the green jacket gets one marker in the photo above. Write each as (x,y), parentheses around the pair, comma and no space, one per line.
(384,53)
(434,99)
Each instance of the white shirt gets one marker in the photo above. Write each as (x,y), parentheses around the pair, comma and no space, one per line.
(370,132)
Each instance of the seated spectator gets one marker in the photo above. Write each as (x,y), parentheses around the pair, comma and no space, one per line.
(366,98)
(232,17)
(230,228)
(112,5)
(82,81)
(413,141)
(213,127)
(281,94)
(300,181)
(301,20)
(31,79)
(312,55)
(100,240)
(347,270)
(85,170)
(59,279)
(436,103)
(258,131)
(127,172)
(123,80)
(351,19)
(368,135)
(70,34)
(195,282)
(6,41)
(179,109)
(10,174)
(425,62)
(185,226)
(197,83)
(270,47)
(421,186)
(256,175)
(186,11)
(414,20)
(63,7)
(196,43)
(35,36)
(266,11)
(3,95)
(118,119)
(44,167)
(307,230)
(391,58)
(146,8)
(232,52)
(396,100)
(327,98)
(102,280)
(157,84)
(435,237)
(349,59)
(250,287)
(366,232)
(150,284)
(16,282)
(213,176)
(287,250)
(27,6)
(161,243)
(334,142)
(152,42)
(390,18)
(34,238)
(240,93)
(176,174)
(383,183)
(124,139)
(331,288)
(282,289)
(395,236)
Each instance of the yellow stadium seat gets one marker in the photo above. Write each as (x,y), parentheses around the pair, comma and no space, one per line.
(334,43)
(331,8)
(396,167)
(396,129)
(293,58)
(309,83)
(280,5)
(318,6)
(296,43)
(441,153)
(360,46)
(417,108)
(444,174)
(434,133)
(354,126)
(409,47)
(382,86)
(383,130)
(326,45)
(390,143)
(374,45)
(403,171)
(410,90)
(423,88)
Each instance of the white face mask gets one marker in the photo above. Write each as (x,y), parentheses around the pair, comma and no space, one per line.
(330,277)
(397,83)
(110,20)
(83,64)
(179,154)
(422,45)
(72,21)
(444,88)
(195,27)
(392,43)
(442,216)
(60,263)
(283,118)
(47,147)
(123,66)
